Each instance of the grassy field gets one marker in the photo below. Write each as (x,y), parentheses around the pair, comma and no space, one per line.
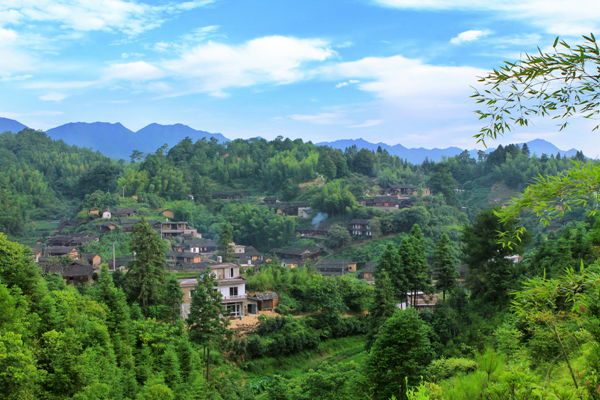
(332,351)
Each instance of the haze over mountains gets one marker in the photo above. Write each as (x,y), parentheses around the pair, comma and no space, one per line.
(117,141)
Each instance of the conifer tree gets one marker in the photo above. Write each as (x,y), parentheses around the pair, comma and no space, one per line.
(205,320)
(399,355)
(146,275)
(225,239)
(118,316)
(383,305)
(444,266)
(412,256)
(391,263)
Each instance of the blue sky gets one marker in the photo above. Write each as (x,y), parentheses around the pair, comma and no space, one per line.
(398,71)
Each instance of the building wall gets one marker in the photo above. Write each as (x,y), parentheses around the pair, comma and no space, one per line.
(224,289)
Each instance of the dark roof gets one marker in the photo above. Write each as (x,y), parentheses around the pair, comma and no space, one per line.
(360,221)
(60,249)
(224,265)
(200,242)
(298,251)
(192,266)
(251,251)
(71,240)
(264,296)
(333,262)
(367,267)
(70,270)
(183,254)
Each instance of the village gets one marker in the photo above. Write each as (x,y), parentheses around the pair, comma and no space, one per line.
(190,253)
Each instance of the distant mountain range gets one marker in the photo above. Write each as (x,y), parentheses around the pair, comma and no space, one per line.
(418,155)
(117,141)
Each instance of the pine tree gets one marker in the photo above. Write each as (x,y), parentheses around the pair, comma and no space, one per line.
(146,275)
(383,305)
(412,256)
(399,355)
(118,317)
(205,320)
(225,239)
(444,266)
(391,263)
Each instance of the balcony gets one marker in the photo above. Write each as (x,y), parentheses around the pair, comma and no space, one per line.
(234,298)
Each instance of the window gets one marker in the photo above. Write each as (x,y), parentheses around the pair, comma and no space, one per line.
(231,272)
(233,291)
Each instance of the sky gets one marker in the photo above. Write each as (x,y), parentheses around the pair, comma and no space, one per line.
(397,71)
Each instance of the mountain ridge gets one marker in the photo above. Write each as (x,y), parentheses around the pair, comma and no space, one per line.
(117,141)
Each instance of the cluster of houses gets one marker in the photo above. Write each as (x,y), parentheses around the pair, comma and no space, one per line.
(190,252)
(62,255)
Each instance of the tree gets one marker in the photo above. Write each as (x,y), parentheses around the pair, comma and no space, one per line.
(225,240)
(205,320)
(443,182)
(391,263)
(399,355)
(559,84)
(444,266)
(146,275)
(335,198)
(382,307)
(338,236)
(490,274)
(412,256)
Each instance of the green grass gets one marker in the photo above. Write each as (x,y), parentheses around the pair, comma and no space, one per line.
(331,350)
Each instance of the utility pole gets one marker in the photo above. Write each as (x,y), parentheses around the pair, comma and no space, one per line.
(114,259)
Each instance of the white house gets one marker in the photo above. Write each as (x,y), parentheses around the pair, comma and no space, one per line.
(231,286)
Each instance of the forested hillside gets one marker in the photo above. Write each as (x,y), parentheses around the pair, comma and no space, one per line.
(520,320)
(45,179)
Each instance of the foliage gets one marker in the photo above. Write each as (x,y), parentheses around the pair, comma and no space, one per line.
(550,197)
(146,275)
(444,266)
(335,198)
(490,274)
(559,84)
(205,320)
(258,227)
(338,236)
(400,352)
(382,306)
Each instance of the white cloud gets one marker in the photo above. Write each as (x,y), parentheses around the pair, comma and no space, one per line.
(53,96)
(216,67)
(367,124)
(559,17)
(325,118)
(133,71)
(188,40)
(346,83)
(128,16)
(12,58)
(469,36)
(60,85)
(405,80)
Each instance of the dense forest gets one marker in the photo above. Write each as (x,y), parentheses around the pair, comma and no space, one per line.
(524,330)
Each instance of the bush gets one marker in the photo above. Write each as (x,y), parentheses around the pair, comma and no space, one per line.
(445,368)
